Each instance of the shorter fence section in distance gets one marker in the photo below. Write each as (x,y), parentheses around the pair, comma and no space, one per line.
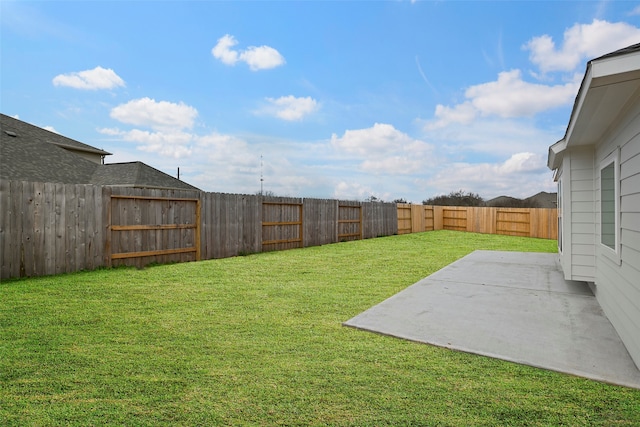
(539,223)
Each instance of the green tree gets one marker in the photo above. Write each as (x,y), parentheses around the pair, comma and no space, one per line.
(456,198)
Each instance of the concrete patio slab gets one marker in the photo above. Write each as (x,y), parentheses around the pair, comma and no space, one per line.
(513,306)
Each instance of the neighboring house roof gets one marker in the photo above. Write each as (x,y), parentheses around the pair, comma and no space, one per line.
(540,200)
(34,132)
(544,199)
(136,174)
(28,153)
(610,81)
(25,156)
(502,201)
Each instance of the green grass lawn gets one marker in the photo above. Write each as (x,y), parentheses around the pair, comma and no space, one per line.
(257,340)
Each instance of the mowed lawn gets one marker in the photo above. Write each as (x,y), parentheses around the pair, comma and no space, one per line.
(258,340)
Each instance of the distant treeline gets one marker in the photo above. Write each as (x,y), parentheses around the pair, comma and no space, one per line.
(462,198)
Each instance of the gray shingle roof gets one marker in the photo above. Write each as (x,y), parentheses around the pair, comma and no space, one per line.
(623,51)
(34,132)
(136,174)
(30,153)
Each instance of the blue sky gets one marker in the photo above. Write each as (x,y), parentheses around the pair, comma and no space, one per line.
(323,99)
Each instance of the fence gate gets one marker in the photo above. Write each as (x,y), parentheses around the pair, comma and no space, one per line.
(454,219)
(349,222)
(513,223)
(404,219)
(147,229)
(429,219)
(282,225)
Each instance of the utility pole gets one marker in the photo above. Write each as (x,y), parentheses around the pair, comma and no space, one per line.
(261,177)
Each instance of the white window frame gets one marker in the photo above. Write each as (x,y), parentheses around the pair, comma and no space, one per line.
(560,211)
(612,253)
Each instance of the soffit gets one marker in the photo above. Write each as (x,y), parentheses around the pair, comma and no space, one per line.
(613,84)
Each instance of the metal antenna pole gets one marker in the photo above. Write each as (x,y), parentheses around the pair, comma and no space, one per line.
(261,176)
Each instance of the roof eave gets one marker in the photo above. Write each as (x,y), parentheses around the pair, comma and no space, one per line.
(82,149)
(556,151)
(610,85)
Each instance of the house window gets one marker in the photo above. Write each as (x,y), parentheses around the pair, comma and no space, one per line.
(559,210)
(609,202)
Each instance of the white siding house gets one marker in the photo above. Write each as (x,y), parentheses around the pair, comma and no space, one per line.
(597,167)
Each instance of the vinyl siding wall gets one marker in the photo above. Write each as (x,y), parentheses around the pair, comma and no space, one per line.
(578,256)
(618,282)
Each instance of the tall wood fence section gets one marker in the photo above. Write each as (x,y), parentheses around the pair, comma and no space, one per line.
(540,223)
(231,225)
(320,222)
(349,221)
(282,224)
(56,228)
(153,227)
(50,228)
(379,219)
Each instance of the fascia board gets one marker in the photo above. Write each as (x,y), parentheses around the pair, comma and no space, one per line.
(577,107)
(555,154)
(617,65)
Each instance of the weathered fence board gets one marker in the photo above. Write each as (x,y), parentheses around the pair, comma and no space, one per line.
(231,225)
(149,226)
(379,219)
(320,222)
(282,223)
(349,221)
(48,228)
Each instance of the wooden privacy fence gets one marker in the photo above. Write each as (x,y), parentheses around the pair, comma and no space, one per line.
(349,221)
(50,228)
(160,229)
(57,228)
(282,225)
(540,223)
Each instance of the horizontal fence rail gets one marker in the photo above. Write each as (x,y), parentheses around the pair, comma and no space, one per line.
(50,228)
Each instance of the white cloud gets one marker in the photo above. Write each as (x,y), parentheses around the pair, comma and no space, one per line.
(509,96)
(352,191)
(582,41)
(225,150)
(521,175)
(393,165)
(493,136)
(257,57)
(51,129)
(162,115)
(384,149)
(290,108)
(175,144)
(381,138)
(461,113)
(635,11)
(98,78)
(167,121)
(222,50)
(522,162)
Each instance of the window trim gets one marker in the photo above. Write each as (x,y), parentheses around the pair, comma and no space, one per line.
(560,211)
(613,158)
